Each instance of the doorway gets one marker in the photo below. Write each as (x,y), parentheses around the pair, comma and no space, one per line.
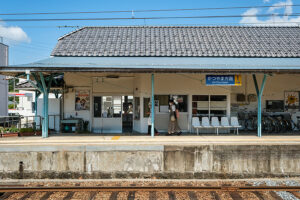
(113,114)
(127,114)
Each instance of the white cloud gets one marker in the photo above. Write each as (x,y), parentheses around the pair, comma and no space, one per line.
(251,11)
(274,20)
(13,34)
(286,5)
(266,1)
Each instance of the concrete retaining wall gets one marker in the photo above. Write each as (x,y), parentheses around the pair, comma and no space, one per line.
(205,161)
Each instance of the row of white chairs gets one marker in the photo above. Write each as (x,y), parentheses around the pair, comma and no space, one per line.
(215,123)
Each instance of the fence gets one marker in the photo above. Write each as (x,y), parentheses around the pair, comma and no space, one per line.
(34,122)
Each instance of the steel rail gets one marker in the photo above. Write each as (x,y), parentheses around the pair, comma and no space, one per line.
(146,188)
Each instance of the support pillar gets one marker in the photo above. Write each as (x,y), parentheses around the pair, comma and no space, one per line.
(259,97)
(44,89)
(152,106)
(45,107)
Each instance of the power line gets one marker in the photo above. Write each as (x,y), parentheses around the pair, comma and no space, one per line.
(198,24)
(140,11)
(143,18)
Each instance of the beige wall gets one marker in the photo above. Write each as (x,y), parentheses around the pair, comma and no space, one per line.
(139,85)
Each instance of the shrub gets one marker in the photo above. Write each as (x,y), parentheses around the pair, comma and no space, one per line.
(26,130)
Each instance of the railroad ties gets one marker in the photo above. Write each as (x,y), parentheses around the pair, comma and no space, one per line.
(157,193)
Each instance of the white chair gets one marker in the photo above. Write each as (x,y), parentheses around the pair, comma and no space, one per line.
(196,124)
(235,124)
(216,124)
(225,123)
(205,123)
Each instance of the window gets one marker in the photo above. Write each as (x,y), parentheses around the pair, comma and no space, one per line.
(127,105)
(181,101)
(200,105)
(162,102)
(117,106)
(33,106)
(146,107)
(209,105)
(97,106)
(107,106)
(137,109)
(218,98)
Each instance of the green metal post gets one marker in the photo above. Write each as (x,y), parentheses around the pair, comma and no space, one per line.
(45,107)
(259,97)
(46,96)
(152,106)
(43,116)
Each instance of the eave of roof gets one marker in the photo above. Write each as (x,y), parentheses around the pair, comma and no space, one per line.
(158,64)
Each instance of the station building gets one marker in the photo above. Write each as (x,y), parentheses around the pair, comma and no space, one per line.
(112,73)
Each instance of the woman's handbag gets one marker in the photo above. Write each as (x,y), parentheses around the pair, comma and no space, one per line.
(173,118)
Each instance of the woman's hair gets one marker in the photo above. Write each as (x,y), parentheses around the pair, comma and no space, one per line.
(77,99)
(171,101)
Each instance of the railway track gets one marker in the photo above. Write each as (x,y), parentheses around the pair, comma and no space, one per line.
(149,192)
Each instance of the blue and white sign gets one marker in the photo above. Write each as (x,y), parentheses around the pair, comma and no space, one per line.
(235,80)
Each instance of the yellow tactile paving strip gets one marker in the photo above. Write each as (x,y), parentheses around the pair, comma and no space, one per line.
(115,138)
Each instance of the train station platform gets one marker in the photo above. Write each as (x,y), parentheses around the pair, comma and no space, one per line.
(148,140)
(161,157)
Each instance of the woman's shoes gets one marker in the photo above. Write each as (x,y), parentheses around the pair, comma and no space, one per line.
(170,134)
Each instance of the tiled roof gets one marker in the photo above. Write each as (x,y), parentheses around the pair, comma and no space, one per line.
(24,84)
(181,41)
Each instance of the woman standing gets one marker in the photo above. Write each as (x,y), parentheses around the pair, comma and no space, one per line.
(173,121)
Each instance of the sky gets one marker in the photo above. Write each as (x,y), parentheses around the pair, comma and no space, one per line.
(33,41)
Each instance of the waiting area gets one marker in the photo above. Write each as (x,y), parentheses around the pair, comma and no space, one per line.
(216,124)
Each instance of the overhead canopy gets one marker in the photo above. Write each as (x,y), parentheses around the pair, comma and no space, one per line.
(158,64)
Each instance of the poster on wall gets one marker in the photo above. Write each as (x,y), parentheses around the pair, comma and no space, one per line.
(291,99)
(82,100)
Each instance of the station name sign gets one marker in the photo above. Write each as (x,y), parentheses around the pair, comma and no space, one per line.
(233,80)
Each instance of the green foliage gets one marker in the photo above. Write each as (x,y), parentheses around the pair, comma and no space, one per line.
(11,84)
(12,99)
(13,129)
(11,106)
(26,130)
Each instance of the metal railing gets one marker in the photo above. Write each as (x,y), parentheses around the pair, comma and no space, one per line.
(34,122)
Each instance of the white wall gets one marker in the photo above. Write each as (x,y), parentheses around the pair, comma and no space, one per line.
(24,106)
(54,109)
